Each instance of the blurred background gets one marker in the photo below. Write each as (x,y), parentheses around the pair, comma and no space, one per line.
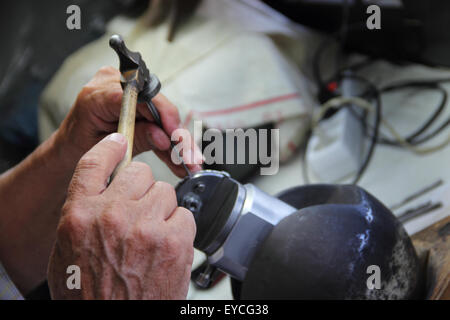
(290,65)
(35,43)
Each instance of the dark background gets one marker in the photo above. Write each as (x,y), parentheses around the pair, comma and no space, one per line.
(35,41)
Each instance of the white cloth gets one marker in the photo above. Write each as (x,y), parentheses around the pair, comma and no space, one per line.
(232,65)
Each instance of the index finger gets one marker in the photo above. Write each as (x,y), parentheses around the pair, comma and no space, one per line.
(170,118)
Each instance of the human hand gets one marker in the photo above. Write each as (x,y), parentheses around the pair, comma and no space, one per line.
(95,114)
(129,238)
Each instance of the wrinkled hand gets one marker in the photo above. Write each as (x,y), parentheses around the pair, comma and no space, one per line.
(95,114)
(129,239)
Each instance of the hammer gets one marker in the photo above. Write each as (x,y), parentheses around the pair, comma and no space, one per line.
(139,85)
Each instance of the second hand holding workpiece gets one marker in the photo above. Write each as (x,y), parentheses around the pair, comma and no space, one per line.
(139,85)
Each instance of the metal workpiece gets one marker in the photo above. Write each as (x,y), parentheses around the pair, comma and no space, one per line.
(326,249)
(314,241)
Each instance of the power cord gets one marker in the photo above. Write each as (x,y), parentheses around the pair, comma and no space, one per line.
(332,102)
(371,93)
(340,102)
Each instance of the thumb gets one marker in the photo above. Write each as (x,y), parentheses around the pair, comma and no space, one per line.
(96,166)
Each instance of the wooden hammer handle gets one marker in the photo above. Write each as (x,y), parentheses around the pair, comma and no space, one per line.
(126,123)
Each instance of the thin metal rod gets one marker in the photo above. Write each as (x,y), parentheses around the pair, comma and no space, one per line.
(174,147)
(417,194)
(157,119)
(420,210)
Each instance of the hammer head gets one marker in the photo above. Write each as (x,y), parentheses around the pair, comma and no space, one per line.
(134,70)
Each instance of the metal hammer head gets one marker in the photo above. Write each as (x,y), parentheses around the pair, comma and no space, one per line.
(128,60)
(134,69)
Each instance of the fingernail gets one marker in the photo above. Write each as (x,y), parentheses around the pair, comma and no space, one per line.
(117,137)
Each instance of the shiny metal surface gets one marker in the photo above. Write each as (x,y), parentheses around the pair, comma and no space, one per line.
(259,213)
(252,215)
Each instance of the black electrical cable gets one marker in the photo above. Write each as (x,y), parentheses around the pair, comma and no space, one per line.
(414,138)
(433,133)
(418,136)
(418,140)
(316,63)
(345,28)
(374,94)
(340,36)
(343,32)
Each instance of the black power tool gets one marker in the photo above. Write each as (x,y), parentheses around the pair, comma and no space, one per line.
(309,242)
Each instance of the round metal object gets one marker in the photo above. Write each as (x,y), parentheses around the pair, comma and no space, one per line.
(327,248)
